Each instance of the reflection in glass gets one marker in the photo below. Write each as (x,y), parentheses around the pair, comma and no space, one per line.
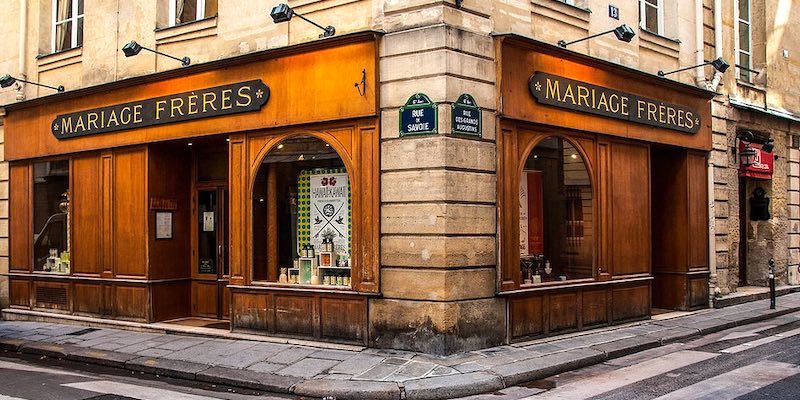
(556,214)
(51,216)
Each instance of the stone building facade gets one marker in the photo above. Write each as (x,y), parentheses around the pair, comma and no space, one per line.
(439,238)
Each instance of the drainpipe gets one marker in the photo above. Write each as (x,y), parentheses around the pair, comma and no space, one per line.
(23,36)
(700,78)
(717,43)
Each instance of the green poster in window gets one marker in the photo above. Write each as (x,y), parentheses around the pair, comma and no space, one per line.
(324,208)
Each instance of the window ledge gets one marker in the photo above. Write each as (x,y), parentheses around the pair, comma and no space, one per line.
(189,30)
(288,287)
(750,85)
(577,16)
(575,284)
(59,59)
(658,43)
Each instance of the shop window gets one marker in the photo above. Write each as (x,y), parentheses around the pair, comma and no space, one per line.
(183,11)
(301,216)
(51,216)
(651,16)
(67,24)
(556,214)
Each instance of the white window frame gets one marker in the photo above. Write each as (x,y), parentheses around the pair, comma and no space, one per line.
(74,19)
(173,10)
(643,4)
(744,75)
(570,2)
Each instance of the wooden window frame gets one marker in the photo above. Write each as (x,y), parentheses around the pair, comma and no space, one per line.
(199,14)
(74,19)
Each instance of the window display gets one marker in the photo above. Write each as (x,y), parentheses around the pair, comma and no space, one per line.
(51,217)
(302,216)
(556,214)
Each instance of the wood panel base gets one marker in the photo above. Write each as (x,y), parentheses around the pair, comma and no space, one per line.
(559,310)
(322,316)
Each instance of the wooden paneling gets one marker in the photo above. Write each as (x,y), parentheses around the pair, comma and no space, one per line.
(526,316)
(20,218)
(204,299)
(250,312)
(130,212)
(107,218)
(169,178)
(343,319)
(563,312)
(630,303)
(239,211)
(88,298)
(291,75)
(19,292)
(630,209)
(295,315)
(698,291)
(131,302)
(366,235)
(518,103)
(170,300)
(594,308)
(52,295)
(86,216)
(697,178)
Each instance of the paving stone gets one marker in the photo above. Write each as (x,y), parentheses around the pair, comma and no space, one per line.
(290,355)
(412,370)
(248,379)
(109,346)
(241,359)
(674,334)
(47,349)
(378,372)
(544,348)
(442,371)
(396,361)
(98,334)
(137,347)
(35,337)
(551,364)
(100,357)
(469,367)
(265,367)
(449,387)
(155,353)
(160,366)
(307,367)
(357,364)
(184,343)
(354,390)
(338,355)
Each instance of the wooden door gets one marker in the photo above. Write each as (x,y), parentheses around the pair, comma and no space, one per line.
(211,243)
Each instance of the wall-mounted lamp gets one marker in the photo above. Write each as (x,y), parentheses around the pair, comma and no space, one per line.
(8,80)
(132,48)
(622,32)
(283,13)
(718,64)
(748,155)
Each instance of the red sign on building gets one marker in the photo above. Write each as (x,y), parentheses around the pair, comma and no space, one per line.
(762,165)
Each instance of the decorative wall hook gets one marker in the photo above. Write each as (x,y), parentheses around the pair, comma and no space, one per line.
(362,87)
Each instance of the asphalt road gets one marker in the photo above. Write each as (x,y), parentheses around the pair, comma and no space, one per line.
(757,361)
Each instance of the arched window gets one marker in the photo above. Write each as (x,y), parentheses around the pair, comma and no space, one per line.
(302,215)
(556,214)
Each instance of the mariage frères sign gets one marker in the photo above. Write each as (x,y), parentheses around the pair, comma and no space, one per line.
(203,103)
(575,95)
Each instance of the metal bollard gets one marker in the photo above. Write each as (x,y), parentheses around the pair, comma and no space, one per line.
(772,283)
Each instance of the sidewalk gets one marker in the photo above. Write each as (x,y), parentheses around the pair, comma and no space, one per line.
(366,373)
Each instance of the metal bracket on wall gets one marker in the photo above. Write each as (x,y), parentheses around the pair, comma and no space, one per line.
(458,3)
(362,87)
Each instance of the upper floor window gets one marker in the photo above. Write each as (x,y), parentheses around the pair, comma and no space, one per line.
(67,24)
(183,11)
(651,16)
(745,51)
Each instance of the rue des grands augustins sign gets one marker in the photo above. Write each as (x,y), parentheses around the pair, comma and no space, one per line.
(575,95)
(203,103)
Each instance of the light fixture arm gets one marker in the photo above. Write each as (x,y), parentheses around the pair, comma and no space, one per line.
(662,73)
(329,30)
(185,61)
(562,43)
(719,64)
(59,89)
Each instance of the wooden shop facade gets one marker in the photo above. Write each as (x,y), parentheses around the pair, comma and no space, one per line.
(148,199)
(246,192)
(602,191)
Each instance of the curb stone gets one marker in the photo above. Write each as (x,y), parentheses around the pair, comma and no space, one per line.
(48,349)
(541,367)
(166,367)
(352,390)
(101,357)
(623,347)
(448,387)
(12,344)
(249,379)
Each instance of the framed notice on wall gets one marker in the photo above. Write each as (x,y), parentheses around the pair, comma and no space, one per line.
(163,225)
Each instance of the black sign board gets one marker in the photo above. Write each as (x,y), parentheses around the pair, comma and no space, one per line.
(204,103)
(207,267)
(419,116)
(466,116)
(580,96)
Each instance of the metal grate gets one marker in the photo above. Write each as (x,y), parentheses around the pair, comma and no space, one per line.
(51,295)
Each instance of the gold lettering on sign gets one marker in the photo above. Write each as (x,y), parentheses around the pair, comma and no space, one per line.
(174,108)
(79,124)
(91,119)
(226,99)
(137,114)
(66,124)
(583,95)
(243,93)
(192,100)
(207,102)
(160,105)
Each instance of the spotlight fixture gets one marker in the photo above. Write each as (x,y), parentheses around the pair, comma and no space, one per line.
(8,80)
(283,13)
(132,48)
(622,32)
(718,64)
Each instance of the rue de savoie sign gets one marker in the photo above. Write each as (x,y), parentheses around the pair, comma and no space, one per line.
(203,103)
(575,95)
